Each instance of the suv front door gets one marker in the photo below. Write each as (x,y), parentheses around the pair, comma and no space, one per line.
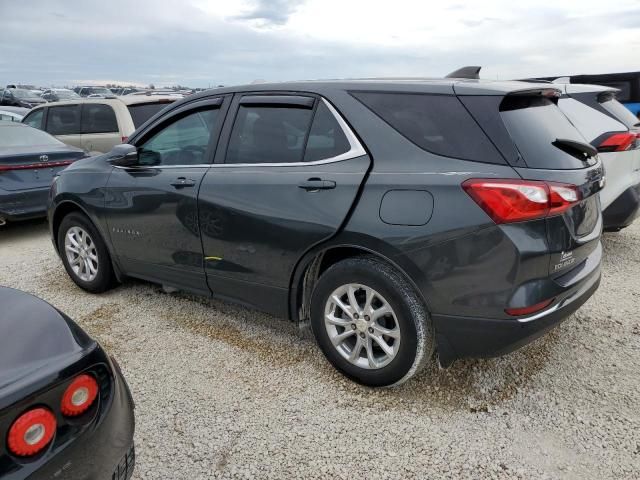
(284,180)
(151,208)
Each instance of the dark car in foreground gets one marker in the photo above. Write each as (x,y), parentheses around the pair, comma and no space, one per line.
(29,159)
(396,216)
(18,97)
(65,409)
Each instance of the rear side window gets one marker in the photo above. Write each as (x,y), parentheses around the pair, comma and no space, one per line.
(622,113)
(142,112)
(267,134)
(534,123)
(34,119)
(590,122)
(98,118)
(326,138)
(63,120)
(437,123)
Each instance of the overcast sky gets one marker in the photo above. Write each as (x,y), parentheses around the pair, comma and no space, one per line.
(210,42)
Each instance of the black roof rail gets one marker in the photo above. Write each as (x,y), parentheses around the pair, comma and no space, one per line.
(470,72)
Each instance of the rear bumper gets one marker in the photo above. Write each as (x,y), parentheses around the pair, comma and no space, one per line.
(463,337)
(624,209)
(23,205)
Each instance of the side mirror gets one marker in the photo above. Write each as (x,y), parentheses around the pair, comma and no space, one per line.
(124,155)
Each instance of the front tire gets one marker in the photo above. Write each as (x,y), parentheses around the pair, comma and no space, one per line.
(84,254)
(370,323)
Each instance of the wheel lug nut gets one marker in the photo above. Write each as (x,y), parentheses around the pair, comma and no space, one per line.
(355,315)
(366,317)
(370,330)
(353,326)
(362,334)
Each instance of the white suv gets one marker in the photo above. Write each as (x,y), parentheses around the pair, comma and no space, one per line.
(615,132)
(95,124)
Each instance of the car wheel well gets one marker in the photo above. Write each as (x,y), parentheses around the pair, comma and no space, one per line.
(316,267)
(62,211)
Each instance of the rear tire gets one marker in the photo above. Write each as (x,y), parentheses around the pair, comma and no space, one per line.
(370,323)
(84,254)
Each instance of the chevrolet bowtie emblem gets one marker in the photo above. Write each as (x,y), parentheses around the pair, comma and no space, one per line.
(44,158)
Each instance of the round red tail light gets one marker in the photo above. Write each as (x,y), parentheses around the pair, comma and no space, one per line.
(79,396)
(31,432)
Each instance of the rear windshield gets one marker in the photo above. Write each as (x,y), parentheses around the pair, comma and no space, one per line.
(437,123)
(534,123)
(21,136)
(622,113)
(590,122)
(142,112)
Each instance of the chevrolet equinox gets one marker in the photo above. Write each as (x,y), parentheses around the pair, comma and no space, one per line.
(398,217)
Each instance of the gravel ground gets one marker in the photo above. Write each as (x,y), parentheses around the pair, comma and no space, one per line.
(224,392)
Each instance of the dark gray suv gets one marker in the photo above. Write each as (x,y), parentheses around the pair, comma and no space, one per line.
(399,218)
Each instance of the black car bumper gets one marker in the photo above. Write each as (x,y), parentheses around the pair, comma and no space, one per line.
(624,209)
(23,205)
(105,452)
(463,337)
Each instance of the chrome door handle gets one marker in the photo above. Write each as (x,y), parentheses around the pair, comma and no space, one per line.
(182,182)
(314,184)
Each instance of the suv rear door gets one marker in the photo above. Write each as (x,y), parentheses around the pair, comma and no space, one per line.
(285,177)
(540,143)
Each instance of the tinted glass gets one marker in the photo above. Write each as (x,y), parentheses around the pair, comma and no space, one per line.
(268,135)
(63,120)
(622,113)
(590,122)
(534,123)
(143,112)
(34,119)
(436,123)
(326,138)
(98,118)
(183,142)
(20,136)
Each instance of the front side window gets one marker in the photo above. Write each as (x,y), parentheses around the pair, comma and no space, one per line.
(269,134)
(182,142)
(64,120)
(34,119)
(98,118)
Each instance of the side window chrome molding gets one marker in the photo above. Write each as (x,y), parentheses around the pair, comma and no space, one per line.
(356,149)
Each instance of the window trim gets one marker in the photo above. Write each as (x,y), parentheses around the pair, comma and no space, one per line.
(356,149)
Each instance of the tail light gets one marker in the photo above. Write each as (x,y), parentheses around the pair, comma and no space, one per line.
(31,166)
(124,139)
(31,432)
(515,312)
(507,201)
(79,396)
(618,142)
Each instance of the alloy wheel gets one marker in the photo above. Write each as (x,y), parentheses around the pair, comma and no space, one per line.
(82,253)
(362,326)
